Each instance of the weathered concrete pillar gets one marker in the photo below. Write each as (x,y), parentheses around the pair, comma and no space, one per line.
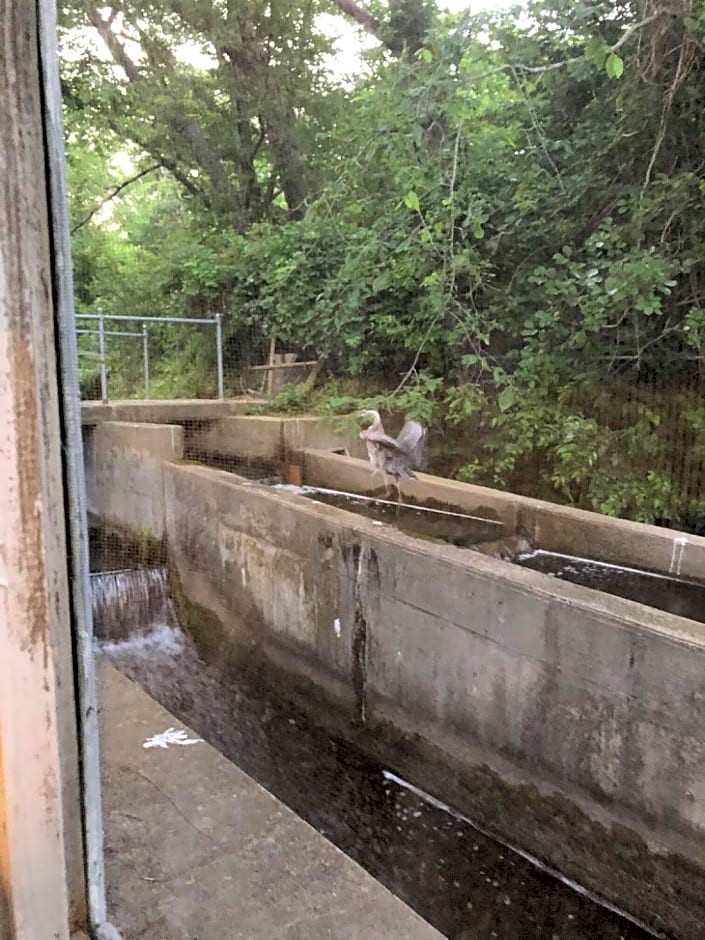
(41,852)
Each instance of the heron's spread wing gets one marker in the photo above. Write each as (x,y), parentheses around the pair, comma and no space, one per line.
(382,440)
(411,440)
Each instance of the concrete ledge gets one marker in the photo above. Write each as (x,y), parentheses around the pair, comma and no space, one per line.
(549,526)
(162,412)
(243,436)
(354,475)
(124,465)
(270,438)
(196,848)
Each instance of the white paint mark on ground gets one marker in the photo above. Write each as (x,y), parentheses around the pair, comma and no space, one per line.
(170,736)
(337,627)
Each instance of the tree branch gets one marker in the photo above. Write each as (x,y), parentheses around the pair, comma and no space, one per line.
(355,12)
(202,147)
(113,45)
(635,27)
(115,191)
(540,69)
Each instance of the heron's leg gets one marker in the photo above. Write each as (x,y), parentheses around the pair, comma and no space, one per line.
(387,487)
(375,471)
(398,485)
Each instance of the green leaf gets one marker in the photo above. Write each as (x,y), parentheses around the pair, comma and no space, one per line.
(614,66)
(425,55)
(596,50)
(411,201)
(506,398)
(381,282)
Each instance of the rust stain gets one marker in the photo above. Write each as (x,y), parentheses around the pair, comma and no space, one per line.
(50,794)
(5,896)
(27,301)
(30,560)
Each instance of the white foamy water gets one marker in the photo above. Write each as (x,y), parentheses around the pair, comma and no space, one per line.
(145,640)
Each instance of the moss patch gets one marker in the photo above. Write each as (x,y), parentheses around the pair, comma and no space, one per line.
(113,547)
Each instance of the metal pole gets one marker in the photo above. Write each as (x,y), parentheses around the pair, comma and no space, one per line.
(101,347)
(145,351)
(143,319)
(87,706)
(219,354)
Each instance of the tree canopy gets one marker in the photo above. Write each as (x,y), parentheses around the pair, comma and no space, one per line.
(500,221)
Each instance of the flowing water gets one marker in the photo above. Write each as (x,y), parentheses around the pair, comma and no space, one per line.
(464,883)
(123,600)
(680,596)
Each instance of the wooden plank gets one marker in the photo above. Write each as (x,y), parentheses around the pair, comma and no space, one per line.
(284,365)
(272,360)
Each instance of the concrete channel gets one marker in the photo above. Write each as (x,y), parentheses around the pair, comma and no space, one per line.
(197,848)
(566,720)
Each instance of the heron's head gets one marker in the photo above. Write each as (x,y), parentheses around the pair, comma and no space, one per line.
(370,413)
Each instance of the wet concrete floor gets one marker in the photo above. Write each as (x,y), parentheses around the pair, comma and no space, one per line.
(454,528)
(468,886)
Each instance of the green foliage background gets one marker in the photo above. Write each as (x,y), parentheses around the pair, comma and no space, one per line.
(498,228)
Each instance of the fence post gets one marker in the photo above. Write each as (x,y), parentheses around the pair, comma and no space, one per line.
(101,347)
(219,353)
(145,352)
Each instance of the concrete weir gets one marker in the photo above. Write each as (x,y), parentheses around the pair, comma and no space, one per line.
(566,720)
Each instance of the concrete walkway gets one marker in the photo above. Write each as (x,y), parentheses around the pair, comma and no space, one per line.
(197,850)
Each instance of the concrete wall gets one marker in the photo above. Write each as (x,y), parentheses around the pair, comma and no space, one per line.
(547,525)
(162,412)
(125,473)
(569,720)
(270,438)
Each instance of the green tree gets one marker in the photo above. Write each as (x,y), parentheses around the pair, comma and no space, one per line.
(239,136)
(502,223)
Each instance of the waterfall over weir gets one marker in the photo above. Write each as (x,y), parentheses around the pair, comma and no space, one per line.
(130,602)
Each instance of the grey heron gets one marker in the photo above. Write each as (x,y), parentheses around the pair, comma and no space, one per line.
(393,457)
